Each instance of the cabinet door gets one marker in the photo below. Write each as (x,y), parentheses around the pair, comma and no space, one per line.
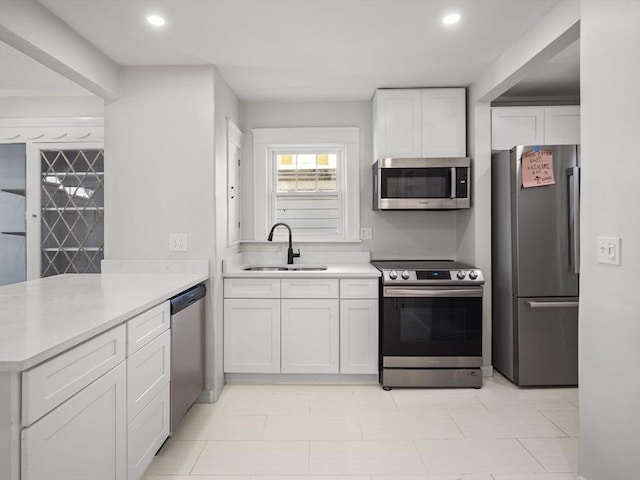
(397,120)
(148,372)
(516,126)
(444,129)
(147,433)
(84,438)
(359,336)
(310,336)
(562,125)
(251,335)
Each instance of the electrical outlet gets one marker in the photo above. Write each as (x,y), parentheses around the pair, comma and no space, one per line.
(366,233)
(609,250)
(177,242)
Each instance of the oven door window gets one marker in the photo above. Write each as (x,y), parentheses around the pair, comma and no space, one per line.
(415,183)
(432,326)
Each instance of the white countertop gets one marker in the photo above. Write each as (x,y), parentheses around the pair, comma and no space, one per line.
(342,265)
(42,318)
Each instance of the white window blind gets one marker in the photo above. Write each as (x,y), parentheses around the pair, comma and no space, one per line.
(307,178)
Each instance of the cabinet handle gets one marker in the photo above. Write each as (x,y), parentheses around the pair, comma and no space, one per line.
(534,304)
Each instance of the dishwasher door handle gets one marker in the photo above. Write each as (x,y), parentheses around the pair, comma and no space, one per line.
(187,298)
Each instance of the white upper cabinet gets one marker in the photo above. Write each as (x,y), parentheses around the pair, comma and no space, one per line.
(428,122)
(562,125)
(512,126)
(397,123)
(444,129)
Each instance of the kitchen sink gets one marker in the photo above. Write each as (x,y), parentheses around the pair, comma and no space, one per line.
(285,268)
(265,269)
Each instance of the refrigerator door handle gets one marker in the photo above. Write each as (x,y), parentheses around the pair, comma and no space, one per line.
(573,178)
(536,304)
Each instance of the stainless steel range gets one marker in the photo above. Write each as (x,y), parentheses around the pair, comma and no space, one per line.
(430,324)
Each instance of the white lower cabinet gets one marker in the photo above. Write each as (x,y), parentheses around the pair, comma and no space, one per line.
(148,371)
(310,336)
(146,434)
(148,395)
(359,336)
(251,335)
(84,438)
(301,325)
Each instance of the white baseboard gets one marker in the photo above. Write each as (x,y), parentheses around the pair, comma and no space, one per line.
(292,378)
(487,371)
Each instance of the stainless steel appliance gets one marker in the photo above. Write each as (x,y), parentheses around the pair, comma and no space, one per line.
(187,351)
(430,324)
(536,258)
(421,183)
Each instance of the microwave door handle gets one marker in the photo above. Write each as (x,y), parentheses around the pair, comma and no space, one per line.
(453,183)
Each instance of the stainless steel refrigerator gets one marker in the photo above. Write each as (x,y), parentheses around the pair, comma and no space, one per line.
(536,258)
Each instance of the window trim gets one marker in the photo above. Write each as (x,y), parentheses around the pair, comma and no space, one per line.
(268,140)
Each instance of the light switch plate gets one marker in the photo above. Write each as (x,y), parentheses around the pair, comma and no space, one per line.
(609,250)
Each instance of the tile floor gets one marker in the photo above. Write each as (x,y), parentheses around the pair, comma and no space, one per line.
(361,432)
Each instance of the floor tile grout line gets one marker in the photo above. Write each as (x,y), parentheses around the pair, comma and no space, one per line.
(424,465)
(198,457)
(556,425)
(456,424)
(532,455)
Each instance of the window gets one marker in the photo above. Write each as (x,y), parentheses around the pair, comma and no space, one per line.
(307,178)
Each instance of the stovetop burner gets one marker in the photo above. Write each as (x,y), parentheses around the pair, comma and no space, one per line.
(428,272)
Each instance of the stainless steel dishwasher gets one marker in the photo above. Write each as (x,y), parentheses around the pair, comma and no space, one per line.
(187,351)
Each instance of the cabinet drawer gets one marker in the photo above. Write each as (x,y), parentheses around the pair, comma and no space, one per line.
(47,385)
(148,371)
(310,288)
(251,288)
(358,288)
(147,433)
(84,438)
(147,326)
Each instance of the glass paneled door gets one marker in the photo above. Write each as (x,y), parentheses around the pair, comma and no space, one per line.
(72,210)
(13,263)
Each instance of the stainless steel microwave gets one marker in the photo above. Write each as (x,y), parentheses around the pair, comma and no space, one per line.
(421,183)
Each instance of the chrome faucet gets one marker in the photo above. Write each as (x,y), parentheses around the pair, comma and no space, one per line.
(290,254)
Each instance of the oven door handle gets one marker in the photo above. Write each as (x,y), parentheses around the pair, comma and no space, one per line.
(432,292)
(535,304)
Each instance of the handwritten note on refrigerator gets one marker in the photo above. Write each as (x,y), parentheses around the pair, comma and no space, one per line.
(537,169)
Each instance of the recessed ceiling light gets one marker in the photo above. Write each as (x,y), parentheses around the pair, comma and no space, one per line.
(451,19)
(156,20)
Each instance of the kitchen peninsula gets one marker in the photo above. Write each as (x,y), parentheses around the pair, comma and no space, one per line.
(68,347)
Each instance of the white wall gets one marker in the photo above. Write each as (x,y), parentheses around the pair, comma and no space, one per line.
(159,176)
(227,106)
(49,107)
(610,295)
(396,234)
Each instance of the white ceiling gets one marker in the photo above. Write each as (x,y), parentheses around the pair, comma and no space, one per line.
(308,49)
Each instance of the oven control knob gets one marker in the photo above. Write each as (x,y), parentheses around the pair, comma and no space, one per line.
(393,274)
(405,275)
(461,274)
(473,274)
